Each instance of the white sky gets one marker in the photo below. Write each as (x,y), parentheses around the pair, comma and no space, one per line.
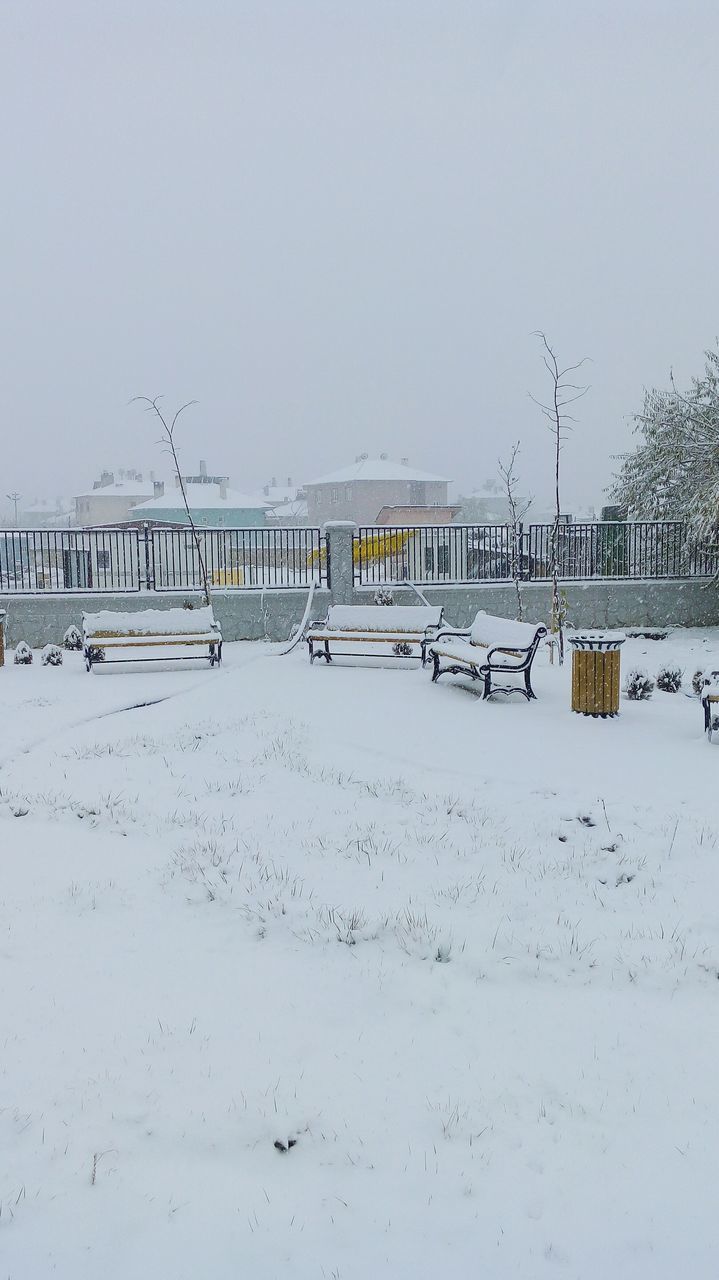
(336,226)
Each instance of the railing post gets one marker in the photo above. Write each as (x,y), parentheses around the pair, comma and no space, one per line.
(340,562)
(149,584)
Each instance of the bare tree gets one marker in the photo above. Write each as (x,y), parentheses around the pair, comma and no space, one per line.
(518,508)
(168,440)
(563,393)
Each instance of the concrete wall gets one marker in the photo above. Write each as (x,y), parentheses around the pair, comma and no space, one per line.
(250,614)
(689,602)
(256,613)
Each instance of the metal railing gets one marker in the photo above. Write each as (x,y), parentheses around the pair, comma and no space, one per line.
(40,560)
(427,554)
(280,557)
(36,561)
(433,553)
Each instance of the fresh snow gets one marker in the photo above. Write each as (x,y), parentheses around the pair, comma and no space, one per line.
(464,954)
(385,617)
(149,621)
(489,630)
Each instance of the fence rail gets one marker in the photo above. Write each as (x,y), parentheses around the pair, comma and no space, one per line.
(427,554)
(35,561)
(38,561)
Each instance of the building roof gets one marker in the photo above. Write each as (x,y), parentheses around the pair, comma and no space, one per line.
(376,469)
(121,489)
(203,497)
(417,515)
(285,510)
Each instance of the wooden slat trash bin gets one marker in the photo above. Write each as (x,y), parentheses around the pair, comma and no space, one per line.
(596,672)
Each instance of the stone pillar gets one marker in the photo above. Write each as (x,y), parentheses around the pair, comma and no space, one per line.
(340,563)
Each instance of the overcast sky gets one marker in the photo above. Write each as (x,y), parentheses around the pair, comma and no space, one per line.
(336,225)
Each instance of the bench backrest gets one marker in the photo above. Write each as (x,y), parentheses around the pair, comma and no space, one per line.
(383,617)
(490,631)
(150,622)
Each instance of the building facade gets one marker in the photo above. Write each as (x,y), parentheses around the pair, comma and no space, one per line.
(360,491)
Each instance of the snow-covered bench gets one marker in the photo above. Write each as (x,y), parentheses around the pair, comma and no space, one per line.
(490,647)
(404,628)
(710,702)
(135,637)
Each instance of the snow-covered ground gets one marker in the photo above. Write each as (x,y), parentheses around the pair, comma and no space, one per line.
(464,955)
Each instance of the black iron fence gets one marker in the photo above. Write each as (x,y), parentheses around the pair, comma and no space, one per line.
(157,559)
(278,557)
(39,560)
(427,554)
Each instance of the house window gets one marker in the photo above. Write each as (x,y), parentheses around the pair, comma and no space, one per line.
(334,495)
(417,493)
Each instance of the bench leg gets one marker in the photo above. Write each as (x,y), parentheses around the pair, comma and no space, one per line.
(436,673)
(327,655)
(528,685)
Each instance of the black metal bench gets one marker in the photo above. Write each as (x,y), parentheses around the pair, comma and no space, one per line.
(403,629)
(491,648)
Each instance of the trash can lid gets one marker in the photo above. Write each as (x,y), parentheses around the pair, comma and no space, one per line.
(597,639)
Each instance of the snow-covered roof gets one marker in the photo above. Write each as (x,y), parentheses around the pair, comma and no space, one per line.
(376,469)
(285,510)
(121,489)
(203,497)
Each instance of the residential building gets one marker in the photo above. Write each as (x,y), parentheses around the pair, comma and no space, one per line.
(213,505)
(360,491)
(111,498)
(46,513)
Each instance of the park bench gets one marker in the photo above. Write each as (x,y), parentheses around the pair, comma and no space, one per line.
(491,647)
(138,636)
(710,702)
(404,628)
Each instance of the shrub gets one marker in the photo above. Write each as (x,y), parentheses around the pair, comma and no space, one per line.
(698,683)
(383,595)
(72,638)
(638,686)
(23,654)
(669,679)
(51,656)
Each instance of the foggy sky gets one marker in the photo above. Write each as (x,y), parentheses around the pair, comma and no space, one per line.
(336,225)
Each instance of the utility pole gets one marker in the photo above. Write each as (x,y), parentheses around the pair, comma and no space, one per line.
(14,498)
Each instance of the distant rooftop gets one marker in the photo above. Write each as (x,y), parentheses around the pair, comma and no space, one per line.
(376,469)
(202,497)
(125,488)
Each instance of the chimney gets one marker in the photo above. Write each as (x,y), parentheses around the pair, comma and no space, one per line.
(223,489)
(383,457)
(274,482)
(159,488)
(203,467)
(177,481)
(289,482)
(405,462)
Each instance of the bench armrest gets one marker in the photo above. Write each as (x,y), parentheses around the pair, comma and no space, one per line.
(441,635)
